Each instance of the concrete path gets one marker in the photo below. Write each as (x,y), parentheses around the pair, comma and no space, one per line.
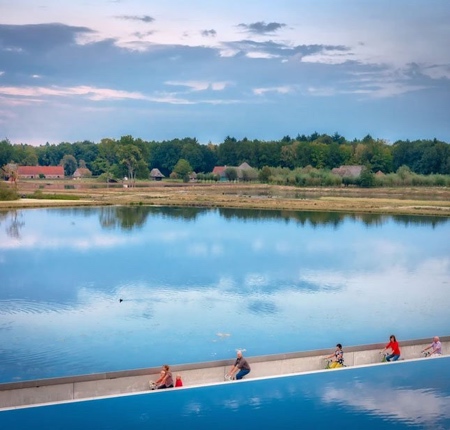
(56,390)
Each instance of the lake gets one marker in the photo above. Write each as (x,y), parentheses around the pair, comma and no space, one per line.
(86,290)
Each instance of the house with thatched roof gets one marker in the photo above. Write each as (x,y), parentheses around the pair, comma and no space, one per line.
(245,166)
(247,172)
(82,172)
(156,175)
(348,171)
(244,171)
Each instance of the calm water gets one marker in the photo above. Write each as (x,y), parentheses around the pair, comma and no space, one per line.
(404,395)
(198,284)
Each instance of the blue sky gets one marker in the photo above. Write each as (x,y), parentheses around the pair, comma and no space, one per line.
(77,70)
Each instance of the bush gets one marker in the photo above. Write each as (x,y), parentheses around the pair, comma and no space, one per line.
(366,179)
(38,194)
(440,180)
(106,177)
(7,193)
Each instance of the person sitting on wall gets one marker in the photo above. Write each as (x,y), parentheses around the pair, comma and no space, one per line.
(167,380)
(154,384)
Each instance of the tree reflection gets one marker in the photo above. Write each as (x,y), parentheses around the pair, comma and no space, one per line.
(14,223)
(124,217)
(129,217)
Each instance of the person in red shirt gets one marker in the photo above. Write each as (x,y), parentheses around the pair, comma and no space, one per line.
(394,347)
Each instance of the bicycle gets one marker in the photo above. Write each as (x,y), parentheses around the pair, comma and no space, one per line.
(329,363)
(383,358)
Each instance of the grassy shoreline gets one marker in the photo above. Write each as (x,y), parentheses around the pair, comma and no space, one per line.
(406,201)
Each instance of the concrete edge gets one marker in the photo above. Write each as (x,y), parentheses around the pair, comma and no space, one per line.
(211,384)
(200,365)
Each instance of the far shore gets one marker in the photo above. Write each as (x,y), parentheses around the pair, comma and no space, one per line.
(405,201)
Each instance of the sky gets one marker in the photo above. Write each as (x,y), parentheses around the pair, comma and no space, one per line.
(158,70)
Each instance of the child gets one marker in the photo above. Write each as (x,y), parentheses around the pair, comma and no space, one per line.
(178,381)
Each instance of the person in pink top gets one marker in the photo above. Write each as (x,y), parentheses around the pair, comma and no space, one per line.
(436,347)
(394,347)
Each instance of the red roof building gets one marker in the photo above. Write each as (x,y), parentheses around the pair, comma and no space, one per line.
(219,171)
(35,172)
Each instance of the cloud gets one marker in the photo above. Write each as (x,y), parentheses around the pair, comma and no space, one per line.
(261,27)
(330,55)
(199,85)
(142,35)
(208,33)
(91,93)
(304,53)
(384,83)
(36,38)
(143,18)
(280,90)
(322,91)
(437,71)
(256,54)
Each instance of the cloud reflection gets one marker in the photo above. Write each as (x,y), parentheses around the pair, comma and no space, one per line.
(280,281)
(81,243)
(419,407)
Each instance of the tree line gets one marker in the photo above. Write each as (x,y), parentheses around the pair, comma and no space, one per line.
(134,157)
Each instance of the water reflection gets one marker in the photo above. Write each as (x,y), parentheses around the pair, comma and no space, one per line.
(292,285)
(123,217)
(128,217)
(14,223)
(419,407)
(402,393)
(393,396)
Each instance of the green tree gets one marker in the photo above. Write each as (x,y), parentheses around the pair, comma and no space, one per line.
(5,152)
(69,163)
(182,169)
(288,155)
(30,157)
(107,159)
(130,156)
(164,155)
(366,179)
(264,174)
(404,172)
(231,173)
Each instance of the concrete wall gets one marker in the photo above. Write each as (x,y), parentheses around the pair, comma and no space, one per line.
(115,383)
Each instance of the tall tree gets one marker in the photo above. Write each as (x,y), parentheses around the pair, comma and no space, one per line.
(5,152)
(182,169)
(130,157)
(69,163)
